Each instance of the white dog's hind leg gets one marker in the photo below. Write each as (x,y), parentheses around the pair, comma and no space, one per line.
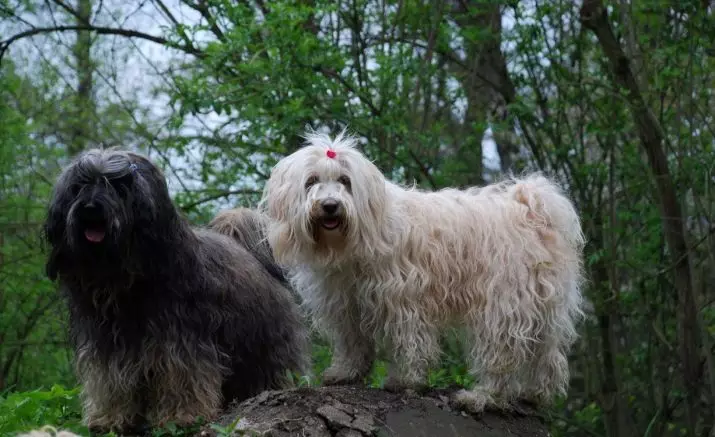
(498,365)
(547,375)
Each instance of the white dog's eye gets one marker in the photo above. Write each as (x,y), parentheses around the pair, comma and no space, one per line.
(345,181)
(310,182)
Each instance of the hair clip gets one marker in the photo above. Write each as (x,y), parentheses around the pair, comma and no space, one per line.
(331,153)
(133,167)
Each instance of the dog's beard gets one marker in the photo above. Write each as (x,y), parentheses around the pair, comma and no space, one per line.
(335,224)
(328,236)
(97,221)
(329,231)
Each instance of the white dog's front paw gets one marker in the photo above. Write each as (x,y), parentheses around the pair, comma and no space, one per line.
(472,401)
(397,381)
(337,375)
(394,385)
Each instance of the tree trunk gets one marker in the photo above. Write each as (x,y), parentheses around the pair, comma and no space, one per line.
(594,17)
(356,411)
(84,100)
(612,400)
(487,79)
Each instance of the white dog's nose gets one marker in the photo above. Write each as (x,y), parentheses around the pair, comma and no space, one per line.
(330,206)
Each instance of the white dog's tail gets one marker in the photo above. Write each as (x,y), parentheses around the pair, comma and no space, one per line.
(548,203)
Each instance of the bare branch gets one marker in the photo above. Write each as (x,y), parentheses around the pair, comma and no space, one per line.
(220,195)
(129,33)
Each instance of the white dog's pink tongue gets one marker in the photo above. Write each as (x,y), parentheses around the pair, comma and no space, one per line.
(330,223)
(94,235)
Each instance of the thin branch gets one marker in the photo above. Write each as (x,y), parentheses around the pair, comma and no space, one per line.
(173,19)
(4,45)
(202,8)
(221,195)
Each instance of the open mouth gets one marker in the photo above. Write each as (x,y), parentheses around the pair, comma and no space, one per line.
(94,223)
(95,230)
(95,234)
(330,223)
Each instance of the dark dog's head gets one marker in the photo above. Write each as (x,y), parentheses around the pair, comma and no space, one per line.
(106,205)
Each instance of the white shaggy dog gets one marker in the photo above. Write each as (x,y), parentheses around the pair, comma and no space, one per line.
(377,263)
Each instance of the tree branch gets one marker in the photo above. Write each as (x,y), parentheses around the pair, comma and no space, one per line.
(217,196)
(4,45)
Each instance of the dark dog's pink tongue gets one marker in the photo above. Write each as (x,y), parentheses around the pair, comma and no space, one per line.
(94,235)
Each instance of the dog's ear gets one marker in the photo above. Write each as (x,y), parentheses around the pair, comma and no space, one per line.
(54,228)
(51,232)
(54,223)
(51,267)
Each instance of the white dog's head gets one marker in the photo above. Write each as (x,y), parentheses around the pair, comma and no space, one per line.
(326,201)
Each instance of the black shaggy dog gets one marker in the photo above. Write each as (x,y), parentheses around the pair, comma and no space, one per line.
(169,323)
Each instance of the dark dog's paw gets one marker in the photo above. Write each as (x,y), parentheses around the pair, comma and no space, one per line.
(97,431)
(138,429)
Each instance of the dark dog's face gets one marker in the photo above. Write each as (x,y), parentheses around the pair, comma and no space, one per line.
(100,202)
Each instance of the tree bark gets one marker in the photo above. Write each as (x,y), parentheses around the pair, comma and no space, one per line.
(84,99)
(612,400)
(356,411)
(594,17)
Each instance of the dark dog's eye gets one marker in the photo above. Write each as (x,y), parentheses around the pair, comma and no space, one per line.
(310,182)
(75,189)
(345,181)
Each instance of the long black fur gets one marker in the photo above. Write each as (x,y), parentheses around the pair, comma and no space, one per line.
(155,281)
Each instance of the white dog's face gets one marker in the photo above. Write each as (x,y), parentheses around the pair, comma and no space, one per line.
(324,200)
(328,201)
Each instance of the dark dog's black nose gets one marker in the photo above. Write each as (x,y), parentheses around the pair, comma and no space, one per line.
(330,206)
(92,210)
(92,207)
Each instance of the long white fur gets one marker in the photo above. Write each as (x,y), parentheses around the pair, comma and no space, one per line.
(503,261)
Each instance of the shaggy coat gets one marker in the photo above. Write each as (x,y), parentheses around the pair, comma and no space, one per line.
(169,323)
(378,263)
(247,227)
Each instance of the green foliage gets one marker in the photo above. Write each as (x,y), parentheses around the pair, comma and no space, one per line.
(24,411)
(32,321)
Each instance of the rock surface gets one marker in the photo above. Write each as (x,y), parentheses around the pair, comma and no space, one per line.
(352,411)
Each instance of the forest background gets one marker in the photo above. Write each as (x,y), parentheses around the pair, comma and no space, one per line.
(613,98)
